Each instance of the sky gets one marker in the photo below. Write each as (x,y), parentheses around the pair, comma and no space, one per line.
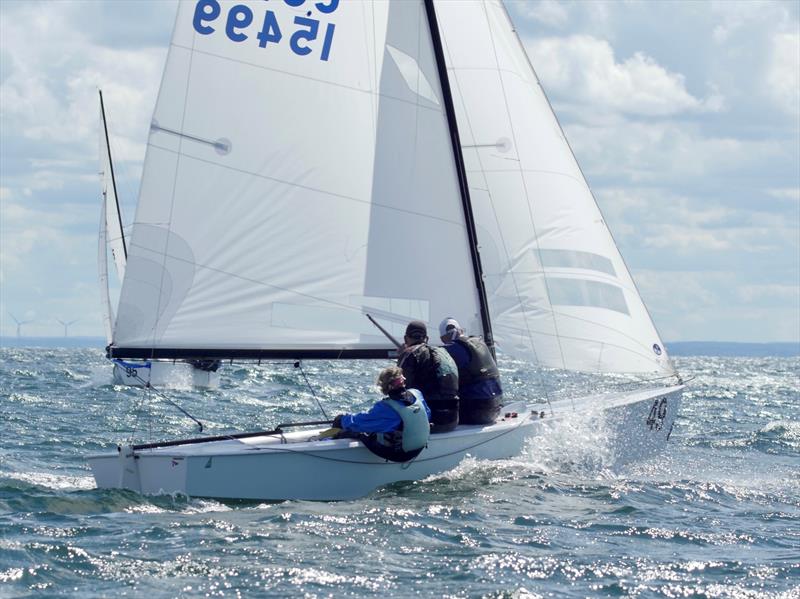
(685,117)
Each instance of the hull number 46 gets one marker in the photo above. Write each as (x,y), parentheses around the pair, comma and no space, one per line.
(655,419)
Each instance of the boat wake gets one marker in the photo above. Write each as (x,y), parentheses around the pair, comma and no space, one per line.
(581,447)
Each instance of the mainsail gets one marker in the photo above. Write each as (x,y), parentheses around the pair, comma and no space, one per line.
(559,292)
(299,173)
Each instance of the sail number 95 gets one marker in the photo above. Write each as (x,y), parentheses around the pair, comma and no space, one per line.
(240,18)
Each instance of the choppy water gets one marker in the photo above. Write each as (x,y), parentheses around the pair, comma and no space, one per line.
(717,515)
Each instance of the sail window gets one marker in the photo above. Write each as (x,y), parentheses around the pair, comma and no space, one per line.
(576,259)
(414,77)
(581,292)
(394,310)
(319,319)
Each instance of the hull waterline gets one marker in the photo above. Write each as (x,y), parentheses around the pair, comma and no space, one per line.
(294,466)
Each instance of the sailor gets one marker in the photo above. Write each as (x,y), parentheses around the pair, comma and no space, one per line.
(397,427)
(432,371)
(479,388)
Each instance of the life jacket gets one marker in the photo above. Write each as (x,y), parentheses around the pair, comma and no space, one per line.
(415,430)
(481,365)
(435,373)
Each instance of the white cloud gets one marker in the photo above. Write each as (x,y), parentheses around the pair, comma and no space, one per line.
(49,91)
(585,68)
(783,73)
(756,293)
(28,229)
(787,193)
(700,231)
(698,239)
(548,12)
(665,151)
(706,305)
(743,17)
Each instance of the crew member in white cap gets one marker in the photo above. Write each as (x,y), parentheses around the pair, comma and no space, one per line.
(479,387)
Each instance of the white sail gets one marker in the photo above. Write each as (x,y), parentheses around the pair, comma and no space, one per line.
(299,173)
(558,290)
(102,267)
(111,237)
(113,224)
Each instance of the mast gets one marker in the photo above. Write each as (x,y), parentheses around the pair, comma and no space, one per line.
(113,179)
(463,185)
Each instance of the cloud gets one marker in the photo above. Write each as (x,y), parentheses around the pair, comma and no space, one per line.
(585,68)
(547,12)
(28,229)
(741,18)
(783,73)
(668,151)
(49,90)
(657,227)
(756,293)
(719,306)
(788,193)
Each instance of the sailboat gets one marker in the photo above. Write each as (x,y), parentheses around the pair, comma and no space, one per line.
(311,163)
(111,240)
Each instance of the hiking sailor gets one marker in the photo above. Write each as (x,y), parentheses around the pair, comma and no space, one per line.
(397,427)
(432,371)
(479,391)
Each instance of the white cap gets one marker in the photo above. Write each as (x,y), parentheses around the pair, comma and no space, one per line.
(448,323)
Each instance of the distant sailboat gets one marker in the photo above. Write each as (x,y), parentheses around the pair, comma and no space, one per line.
(313,162)
(112,240)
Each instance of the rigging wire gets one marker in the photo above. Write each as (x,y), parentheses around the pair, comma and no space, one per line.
(299,365)
(150,390)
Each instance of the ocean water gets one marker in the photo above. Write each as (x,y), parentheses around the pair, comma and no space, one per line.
(716,515)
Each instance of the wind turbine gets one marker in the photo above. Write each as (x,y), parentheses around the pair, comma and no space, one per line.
(67,324)
(19,323)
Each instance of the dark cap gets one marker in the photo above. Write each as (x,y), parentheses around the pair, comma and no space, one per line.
(416,329)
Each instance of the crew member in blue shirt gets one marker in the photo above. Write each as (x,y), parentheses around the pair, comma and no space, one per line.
(479,387)
(397,427)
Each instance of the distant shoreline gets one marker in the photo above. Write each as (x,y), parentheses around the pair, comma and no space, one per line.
(675,348)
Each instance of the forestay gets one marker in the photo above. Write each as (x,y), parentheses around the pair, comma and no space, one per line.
(558,290)
(298,174)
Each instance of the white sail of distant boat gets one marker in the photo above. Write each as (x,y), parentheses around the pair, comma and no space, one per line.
(102,267)
(112,237)
(305,168)
(115,237)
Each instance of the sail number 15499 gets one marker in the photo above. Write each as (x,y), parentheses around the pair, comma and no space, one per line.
(240,17)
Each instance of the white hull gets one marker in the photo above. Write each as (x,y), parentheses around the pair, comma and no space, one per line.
(163,374)
(294,467)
